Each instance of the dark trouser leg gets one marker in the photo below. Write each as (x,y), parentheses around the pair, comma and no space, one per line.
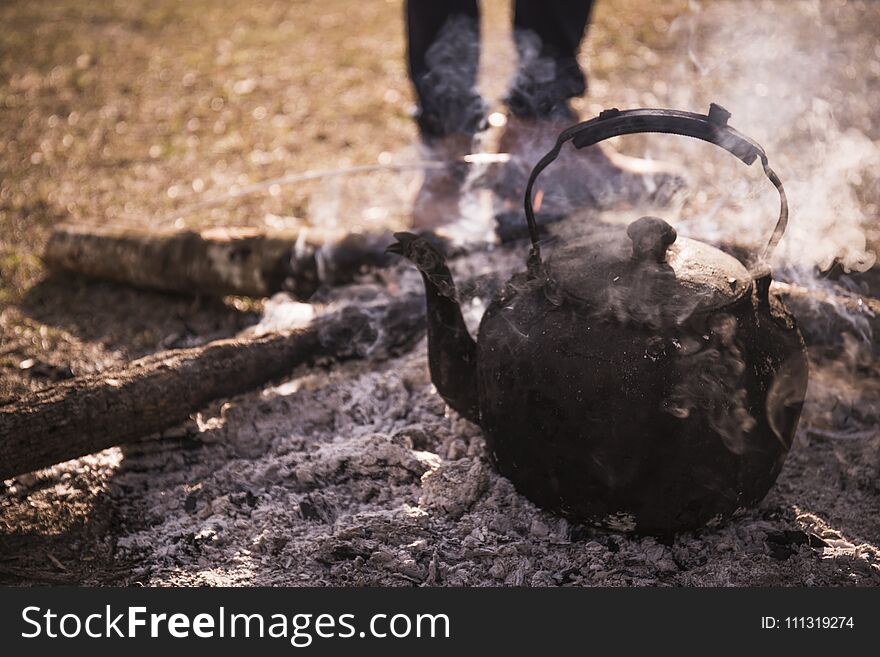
(444,53)
(548,34)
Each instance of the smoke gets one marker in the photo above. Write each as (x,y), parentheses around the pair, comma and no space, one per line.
(796,77)
(790,74)
(380,201)
(712,385)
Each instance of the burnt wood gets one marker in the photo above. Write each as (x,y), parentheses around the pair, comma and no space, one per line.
(94,412)
(825,318)
(215,261)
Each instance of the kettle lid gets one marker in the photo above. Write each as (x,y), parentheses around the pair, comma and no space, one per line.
(645,274)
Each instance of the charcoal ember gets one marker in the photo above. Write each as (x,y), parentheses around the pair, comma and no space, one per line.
(542,578)
(457,449)
(403,325)
(498,570)
(244,499)
(369,328)
(373,545)
(401,564)
(277,544)
(354,335)
(520,574)
(317,507)
(341,551)
(366,458)
(414,437)
(435,572)
(453,488)
(191,501)
(783,544)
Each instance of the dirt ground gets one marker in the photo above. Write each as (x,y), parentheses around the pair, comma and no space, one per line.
(130,112)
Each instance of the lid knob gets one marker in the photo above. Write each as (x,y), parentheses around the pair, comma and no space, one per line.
(651,236)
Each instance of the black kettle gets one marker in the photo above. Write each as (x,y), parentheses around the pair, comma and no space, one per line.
(635,379)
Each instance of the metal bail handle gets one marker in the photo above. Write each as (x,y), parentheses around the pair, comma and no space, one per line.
(711,128)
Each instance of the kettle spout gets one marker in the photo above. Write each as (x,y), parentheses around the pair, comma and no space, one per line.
(452,352)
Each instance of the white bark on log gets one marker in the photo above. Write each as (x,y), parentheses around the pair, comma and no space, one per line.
(218,261)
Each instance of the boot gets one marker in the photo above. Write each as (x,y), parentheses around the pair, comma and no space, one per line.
(596,177)
(437,202)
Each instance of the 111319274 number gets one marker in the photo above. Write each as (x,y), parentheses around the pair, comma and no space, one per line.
(818,622)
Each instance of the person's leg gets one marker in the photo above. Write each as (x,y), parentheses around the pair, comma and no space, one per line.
(548,34)
(443,56)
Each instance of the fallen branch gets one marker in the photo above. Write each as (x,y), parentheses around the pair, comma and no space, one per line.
(824,318)
(91,413)
(217,261)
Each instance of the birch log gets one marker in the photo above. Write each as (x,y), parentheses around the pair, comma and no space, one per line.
(217,261)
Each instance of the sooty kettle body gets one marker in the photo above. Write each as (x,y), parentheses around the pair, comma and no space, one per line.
(635,379)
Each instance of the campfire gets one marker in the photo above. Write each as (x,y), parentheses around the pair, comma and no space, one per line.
(334,435)
(313,447)
(381,321)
